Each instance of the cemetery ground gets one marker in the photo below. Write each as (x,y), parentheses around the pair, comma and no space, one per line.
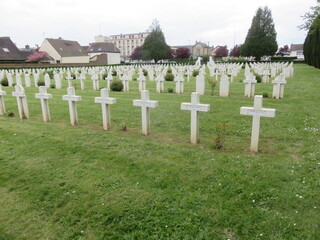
(64,182)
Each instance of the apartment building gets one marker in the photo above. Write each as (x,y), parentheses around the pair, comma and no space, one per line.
(126,43)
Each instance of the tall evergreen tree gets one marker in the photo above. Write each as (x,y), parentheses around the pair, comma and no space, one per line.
(155,46)
(261,38)
(311,47)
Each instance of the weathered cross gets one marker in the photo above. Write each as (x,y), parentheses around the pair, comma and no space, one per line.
(249,88)
(195,107)
(95,82)
(179,83)
(224,86)
(105,104)
(44,96)
(145,105)
(142,82)
(257,111)
(2,106)
(21,101)
(72,99)
(125,82)
(200,84)
(278,86)
(159,83)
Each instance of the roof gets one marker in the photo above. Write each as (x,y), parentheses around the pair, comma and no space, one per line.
(98,47)
(9,51)
(185,46)
(296,47)
(202,44)
(67,48)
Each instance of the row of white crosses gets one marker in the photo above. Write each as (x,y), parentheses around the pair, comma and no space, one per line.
(145,103)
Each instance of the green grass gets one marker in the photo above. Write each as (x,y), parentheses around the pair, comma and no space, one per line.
(64,182)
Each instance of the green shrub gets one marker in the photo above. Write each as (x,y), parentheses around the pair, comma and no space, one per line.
(195,73)
(4,82)
(145,72)
(105,75)
(265,94)
(169,77)
(258,77)
(10,113)
(169,71)
(41,83)
(73,76)
(52,85)
(170,90)
(116,86)
(114,73)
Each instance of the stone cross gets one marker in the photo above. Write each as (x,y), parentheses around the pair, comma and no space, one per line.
(44,97)
(256,111)
(109,78)
(195,107)
(69,78)
(249,88)
(47,80)
(36,77)
(125,82)
(105,104)
(224,86)
(82,77)
(57,81)
(145,105)
(72,99)
(265,76)
(27,80)
(142,82)
(200,84)
(159,83)
(2,106)
(278,87)
(21,101)
(95,82)
(18,79)
(179,83)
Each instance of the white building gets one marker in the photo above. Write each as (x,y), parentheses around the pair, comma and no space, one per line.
(126,43)
(111,53)
(64,51)
(296,50)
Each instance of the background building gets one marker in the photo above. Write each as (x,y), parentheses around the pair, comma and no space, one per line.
(126,43)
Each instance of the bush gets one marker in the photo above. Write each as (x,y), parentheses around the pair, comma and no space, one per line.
(73,76)
(116,86)
(41,83)
(169,77)
(170,90)
(4,82)
(169,71)
(265,94)
(114,73)
(145,72)
(10,113)
(104,76)
(195,73)
(258,78)
(52,85)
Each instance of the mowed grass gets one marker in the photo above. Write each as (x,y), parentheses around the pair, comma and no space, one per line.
(64,182)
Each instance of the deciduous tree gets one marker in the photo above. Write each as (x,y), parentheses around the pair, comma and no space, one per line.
(182,53)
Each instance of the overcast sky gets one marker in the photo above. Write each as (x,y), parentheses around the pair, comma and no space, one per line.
(222,22)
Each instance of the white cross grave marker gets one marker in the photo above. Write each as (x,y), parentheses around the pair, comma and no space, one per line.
(179,83)
(200,84)
(224,86)
(44,96)
(160,83)
(105,102)
(142,82)
(278,87)
(249,88)
(2,106)
(69,78)
(145,104)
(72,99)
(195,107)
(47,80)
(257,111)
(21,101)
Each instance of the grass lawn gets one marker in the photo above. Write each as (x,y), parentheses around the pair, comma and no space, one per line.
(64,182)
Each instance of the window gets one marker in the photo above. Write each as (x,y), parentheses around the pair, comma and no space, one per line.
(6,49)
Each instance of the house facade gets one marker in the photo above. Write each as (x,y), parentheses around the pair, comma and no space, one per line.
(201,49)
(111,52)
(296,50)
(64,51)
(126,43)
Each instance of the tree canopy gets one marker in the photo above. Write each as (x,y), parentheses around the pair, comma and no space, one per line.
(311,46)
(182,53)
(310,18)
(261,37)
(155,46)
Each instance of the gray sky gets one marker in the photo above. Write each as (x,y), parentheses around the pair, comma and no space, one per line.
(183,22)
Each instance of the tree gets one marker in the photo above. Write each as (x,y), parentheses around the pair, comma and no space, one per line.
(36,56)
(182,53)
(310,18)
(283,51)
(221,51)
(155,46)
(137,53)
(311,46)
(261,37)
(235,51)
